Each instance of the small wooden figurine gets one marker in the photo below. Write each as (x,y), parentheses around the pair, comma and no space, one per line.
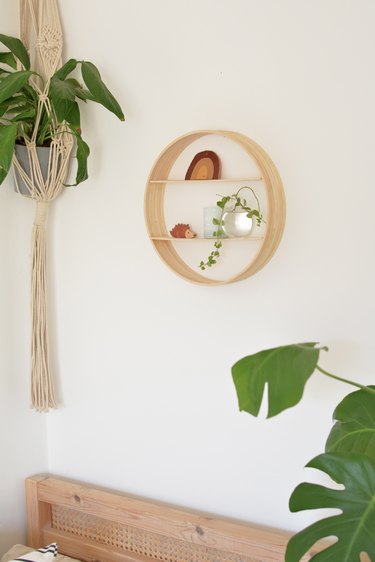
(204,166)
(182,231)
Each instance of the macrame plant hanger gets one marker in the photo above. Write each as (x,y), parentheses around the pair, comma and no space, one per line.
(40,31)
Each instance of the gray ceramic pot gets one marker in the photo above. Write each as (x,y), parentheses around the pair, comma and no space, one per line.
(23,158)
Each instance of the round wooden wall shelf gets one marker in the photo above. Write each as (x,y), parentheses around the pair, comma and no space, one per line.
(154,207)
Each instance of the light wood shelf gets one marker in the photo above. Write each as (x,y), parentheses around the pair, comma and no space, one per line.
(212,239)
(154,206)
(228,180)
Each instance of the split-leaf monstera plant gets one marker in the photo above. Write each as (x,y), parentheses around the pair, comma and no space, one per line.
(349,457)
(19,104)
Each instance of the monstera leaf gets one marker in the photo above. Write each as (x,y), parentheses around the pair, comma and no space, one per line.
(355,526)
(354,430)
(285,369)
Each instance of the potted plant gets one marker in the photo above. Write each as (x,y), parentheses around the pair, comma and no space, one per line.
(40,116)
(235,219)
(349,457)
(26,116)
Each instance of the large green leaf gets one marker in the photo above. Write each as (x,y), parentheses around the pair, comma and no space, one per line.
(354,430)
(29,91)
(13,105)
(28,114)
(82,155)
(62,94)
(17,48)
(99,90)
(74,117)
(13,83)
(84,94)
(8,58)
(284,369)
(7,140)
(355,526)
(66,69)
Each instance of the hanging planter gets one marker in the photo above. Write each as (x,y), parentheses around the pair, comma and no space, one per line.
(25,167)
(39,127)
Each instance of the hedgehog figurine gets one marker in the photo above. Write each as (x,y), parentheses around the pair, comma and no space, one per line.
(182,231)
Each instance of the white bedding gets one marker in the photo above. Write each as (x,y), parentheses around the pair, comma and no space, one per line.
(19,550)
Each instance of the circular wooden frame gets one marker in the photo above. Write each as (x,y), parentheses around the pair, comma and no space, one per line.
(154,207)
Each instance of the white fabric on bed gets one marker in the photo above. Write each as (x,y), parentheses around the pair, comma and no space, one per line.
(19,550)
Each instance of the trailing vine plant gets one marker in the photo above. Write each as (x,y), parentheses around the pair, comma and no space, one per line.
(231,203)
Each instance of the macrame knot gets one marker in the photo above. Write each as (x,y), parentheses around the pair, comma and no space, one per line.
(41,213)
(50,39)
(43,97)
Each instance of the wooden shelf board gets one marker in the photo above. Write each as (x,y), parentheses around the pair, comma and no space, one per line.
(229,180)
(172,239)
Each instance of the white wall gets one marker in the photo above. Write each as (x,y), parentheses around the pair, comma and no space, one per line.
(148,405)
(23,442)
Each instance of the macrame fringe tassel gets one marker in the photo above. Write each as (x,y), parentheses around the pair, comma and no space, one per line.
(42,392)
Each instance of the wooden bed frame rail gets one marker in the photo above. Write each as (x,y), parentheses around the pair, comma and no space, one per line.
(95,525)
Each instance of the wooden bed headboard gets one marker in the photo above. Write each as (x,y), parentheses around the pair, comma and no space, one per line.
(95,525)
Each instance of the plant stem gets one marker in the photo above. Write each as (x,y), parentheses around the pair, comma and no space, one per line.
(253,192)
(358,385)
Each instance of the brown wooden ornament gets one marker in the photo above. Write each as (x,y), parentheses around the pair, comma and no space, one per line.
(204,166)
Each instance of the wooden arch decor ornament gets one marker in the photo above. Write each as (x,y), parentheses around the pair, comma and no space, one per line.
(40,31)
(154,206)
(204,166)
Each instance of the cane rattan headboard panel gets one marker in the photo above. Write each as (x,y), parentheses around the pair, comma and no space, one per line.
(94,525)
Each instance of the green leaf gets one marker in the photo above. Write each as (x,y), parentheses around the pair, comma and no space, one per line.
(82,155)
(13,105)
(62,94)
(84,95)
(66,69)
(354,527)
(8,58)
(24,115)
(44,129)
(29,91)
(80,92)
(13,83)
(73,117)
(7,141)
(99,90)
(17,48)
(285,369)
(354,430)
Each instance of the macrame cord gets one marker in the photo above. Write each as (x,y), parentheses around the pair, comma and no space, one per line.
(40,31)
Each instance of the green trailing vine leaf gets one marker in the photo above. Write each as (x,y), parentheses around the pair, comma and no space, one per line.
(354,430)
(284,369)
(237,203)
(355,526)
